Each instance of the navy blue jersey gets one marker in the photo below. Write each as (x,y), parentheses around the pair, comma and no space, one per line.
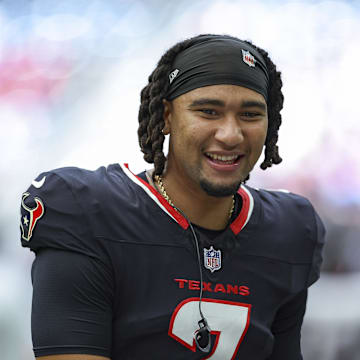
(116,271)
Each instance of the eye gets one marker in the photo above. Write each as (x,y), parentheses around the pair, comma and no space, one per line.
(249,115)
(210,112)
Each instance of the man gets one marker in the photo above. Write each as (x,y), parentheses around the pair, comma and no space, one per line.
(183,261)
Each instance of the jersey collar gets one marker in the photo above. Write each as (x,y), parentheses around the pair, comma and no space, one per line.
(236,225)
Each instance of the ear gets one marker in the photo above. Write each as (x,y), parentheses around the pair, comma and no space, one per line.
(167,116)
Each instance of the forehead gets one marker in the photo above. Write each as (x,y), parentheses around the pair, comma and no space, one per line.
(225,93)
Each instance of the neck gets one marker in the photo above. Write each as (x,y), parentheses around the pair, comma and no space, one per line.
(206,211)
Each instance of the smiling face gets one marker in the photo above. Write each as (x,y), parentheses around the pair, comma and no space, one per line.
(216,136)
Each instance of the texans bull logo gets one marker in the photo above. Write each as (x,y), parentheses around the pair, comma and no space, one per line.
(29,216)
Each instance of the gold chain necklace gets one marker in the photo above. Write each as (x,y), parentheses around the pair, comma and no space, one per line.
(161,187)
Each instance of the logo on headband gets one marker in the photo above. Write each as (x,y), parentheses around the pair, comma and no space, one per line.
(248,58)
(173,75)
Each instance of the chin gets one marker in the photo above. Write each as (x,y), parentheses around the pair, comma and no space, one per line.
(218,190)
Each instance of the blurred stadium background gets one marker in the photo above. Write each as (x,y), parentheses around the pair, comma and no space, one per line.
(70,77)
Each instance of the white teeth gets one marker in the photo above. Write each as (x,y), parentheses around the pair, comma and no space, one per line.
(222,157)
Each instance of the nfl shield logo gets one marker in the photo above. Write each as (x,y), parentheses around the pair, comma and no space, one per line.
(248,58)
(212,259)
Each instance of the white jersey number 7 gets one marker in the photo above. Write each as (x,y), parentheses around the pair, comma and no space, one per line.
(227,320)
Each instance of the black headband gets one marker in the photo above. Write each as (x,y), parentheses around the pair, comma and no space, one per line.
(218,60)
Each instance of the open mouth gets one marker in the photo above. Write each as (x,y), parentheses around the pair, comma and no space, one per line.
(223,159)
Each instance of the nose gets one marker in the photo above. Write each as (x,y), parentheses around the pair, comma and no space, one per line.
(229,132)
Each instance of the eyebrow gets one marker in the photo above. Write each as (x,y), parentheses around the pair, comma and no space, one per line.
(207,101)
(254,103)
(216,102)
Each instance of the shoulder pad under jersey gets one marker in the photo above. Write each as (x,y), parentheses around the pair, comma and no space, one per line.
(288,213)
(55,211)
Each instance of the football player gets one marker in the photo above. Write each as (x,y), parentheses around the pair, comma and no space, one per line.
(183,261)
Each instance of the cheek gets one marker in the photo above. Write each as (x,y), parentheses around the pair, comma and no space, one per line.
(194,134)
(183,139)
(261,131)
(257,136)
(262,137)
(190,134)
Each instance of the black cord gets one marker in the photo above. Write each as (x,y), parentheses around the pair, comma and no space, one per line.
(198,257)
(200,270)
(203,325)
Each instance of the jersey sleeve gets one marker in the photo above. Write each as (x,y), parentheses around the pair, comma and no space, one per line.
(72,275)
(319,240)
(72,304)
(286,328)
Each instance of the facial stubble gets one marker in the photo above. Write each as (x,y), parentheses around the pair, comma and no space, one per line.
(219,190)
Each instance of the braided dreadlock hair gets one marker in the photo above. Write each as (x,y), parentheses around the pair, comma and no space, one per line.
(151,122)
